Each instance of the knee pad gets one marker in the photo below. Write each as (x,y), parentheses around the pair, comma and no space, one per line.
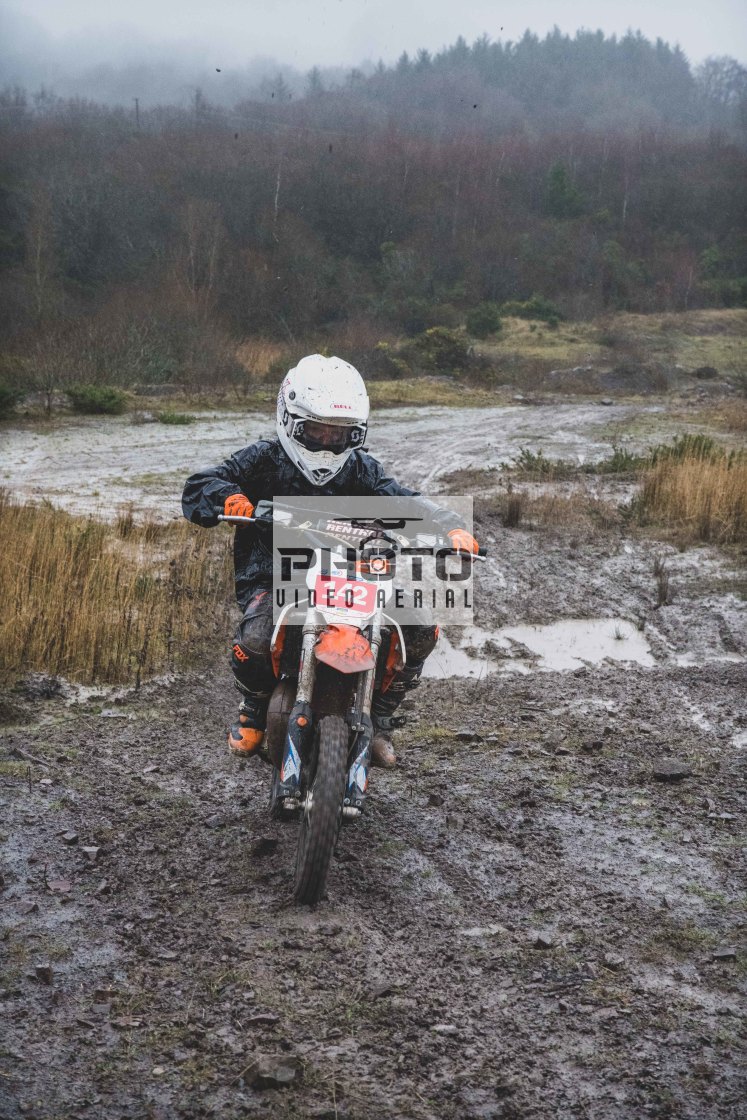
(420,642)
(252,668)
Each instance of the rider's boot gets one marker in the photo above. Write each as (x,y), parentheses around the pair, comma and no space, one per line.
(245,737)
(384,706)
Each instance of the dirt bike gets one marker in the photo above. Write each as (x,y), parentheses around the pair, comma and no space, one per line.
(319,727)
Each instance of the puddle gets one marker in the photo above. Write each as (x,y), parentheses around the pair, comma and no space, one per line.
(558,647)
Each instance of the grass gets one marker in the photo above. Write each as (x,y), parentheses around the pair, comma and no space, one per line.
(579,510)
(426,391)
(699,495)
(97,602)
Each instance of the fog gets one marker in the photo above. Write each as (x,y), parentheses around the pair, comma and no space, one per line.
(162,51)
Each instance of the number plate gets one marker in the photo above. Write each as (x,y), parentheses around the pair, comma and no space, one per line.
(339,593)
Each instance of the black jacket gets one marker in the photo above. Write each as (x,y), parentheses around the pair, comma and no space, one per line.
(263,470)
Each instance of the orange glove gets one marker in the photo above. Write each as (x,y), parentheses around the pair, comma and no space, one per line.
(238,505)
(463,540)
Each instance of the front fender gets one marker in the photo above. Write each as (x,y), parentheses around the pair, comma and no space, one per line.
(345,649)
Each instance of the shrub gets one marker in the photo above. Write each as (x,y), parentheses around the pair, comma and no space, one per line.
(535,463)
(483,320)
(9,398)
(535,308)
(175,418)
(689,446)
(620,461)
(439,348)
(97,399)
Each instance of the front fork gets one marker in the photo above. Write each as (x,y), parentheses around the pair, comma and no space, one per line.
(361,724)
(287,786)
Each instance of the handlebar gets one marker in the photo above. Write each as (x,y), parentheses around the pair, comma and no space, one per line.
(236,520)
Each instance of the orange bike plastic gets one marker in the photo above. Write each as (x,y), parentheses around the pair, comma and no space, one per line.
(345,649)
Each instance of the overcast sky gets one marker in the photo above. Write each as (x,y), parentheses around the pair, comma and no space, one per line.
(346,32)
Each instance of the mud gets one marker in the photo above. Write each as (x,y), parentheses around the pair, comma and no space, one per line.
(99,464)
(526,923)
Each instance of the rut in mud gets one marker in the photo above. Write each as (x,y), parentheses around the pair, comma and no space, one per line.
(527,923)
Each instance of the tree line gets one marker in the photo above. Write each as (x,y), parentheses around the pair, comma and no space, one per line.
(145,249)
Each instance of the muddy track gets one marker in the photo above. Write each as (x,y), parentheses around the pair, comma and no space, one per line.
(526,923)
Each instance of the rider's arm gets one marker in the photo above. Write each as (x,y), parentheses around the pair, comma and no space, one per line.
(374,480)
(205,492)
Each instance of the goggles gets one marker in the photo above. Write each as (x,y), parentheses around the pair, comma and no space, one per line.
(315,435)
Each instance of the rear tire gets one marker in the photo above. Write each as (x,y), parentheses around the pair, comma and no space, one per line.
(321,820)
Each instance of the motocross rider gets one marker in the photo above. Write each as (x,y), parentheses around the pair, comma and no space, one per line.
(322,419)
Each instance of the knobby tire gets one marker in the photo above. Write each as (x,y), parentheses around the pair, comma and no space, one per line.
(320,826)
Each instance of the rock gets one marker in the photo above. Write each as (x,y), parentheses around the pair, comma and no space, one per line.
(265,1019)
(542,941)
(29,907)
(380,990)
(60,886)
(70,837)
(492,930)
(435,799)
(728,953)
(562,750)
(590,745)
(706,373)
(465,735)
(105,995)
(274,1072)
(216,821)
(264,845)
(671,769)
(112,713)
(444,1028)
(90,854)
(44,973)
(606,401)
(103,888)
(158,1071)
(613,962)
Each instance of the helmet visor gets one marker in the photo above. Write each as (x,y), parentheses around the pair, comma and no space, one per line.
(315,435)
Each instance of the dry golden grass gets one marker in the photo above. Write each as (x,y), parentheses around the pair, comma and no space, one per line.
(258,355)
(702,499)
(730,416)
(578,510)
(106,603)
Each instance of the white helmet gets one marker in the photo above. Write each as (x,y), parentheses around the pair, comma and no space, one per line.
(322,416)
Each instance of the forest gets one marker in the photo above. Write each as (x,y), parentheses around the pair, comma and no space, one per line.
(589,174)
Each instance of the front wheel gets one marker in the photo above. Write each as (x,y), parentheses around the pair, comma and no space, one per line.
(322,815)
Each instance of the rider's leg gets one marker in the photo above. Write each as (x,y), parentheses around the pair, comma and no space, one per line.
(420,641)
(251,663)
